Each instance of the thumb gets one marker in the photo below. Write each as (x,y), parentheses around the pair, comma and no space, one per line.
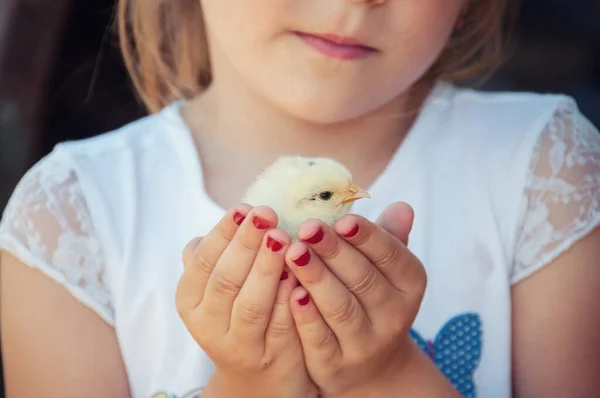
(397,219)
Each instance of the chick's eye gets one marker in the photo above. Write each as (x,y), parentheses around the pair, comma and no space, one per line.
(326,195)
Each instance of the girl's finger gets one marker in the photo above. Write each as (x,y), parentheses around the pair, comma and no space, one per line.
(281,328)
(254,304)
(200,256)
(233,267)
(338,306)
(349,265)
(393,259)
(318,340)
(397,219)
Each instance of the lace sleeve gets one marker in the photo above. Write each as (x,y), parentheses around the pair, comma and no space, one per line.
(47,225)
(563,192)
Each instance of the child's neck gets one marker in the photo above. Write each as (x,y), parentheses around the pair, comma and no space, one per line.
(238,135)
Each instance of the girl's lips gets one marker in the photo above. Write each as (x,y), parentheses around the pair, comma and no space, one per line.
(344,48)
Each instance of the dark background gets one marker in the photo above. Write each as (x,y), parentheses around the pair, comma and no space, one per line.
(62,78)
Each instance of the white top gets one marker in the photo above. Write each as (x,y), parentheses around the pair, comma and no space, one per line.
(501,184)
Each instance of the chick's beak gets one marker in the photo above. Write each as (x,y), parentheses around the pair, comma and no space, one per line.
(354,193)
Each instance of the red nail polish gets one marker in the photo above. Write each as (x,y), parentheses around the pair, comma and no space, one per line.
(284,275)
(352,232)
(316,238)
(238,218)
(260,222)
(302,260)
(304,300)
(274,245)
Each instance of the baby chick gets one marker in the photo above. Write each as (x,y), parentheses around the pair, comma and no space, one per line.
(299,188)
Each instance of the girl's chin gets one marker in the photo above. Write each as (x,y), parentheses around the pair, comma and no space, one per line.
(322,113)
(324,116)
(321,108)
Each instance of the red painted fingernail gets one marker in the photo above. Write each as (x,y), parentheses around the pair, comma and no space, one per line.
(284,275)
(352,232)
(274,245)
(302,260)
(260,222)
(316,238)
(238,218)
(304,300)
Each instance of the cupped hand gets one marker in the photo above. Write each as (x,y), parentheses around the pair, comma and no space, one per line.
(234,299)
(361,291)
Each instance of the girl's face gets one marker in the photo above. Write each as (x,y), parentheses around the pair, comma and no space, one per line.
(327,60)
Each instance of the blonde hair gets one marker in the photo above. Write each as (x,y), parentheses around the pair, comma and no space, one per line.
(163,43)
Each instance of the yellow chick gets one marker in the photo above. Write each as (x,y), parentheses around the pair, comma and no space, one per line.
(300,188)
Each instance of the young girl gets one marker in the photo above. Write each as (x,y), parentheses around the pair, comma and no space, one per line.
(504,189)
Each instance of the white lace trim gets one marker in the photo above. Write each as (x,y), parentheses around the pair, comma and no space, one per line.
(563,192)
(47,225)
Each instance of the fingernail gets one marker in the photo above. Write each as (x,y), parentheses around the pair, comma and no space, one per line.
(274,245)
(302,260)
(260,222)
(304,300)
(316,238)
(238,218)
(352,232)
(284,275)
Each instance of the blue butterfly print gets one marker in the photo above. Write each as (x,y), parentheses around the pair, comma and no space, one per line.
(456,350)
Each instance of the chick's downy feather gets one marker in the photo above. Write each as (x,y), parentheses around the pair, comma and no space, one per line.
(300,188)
